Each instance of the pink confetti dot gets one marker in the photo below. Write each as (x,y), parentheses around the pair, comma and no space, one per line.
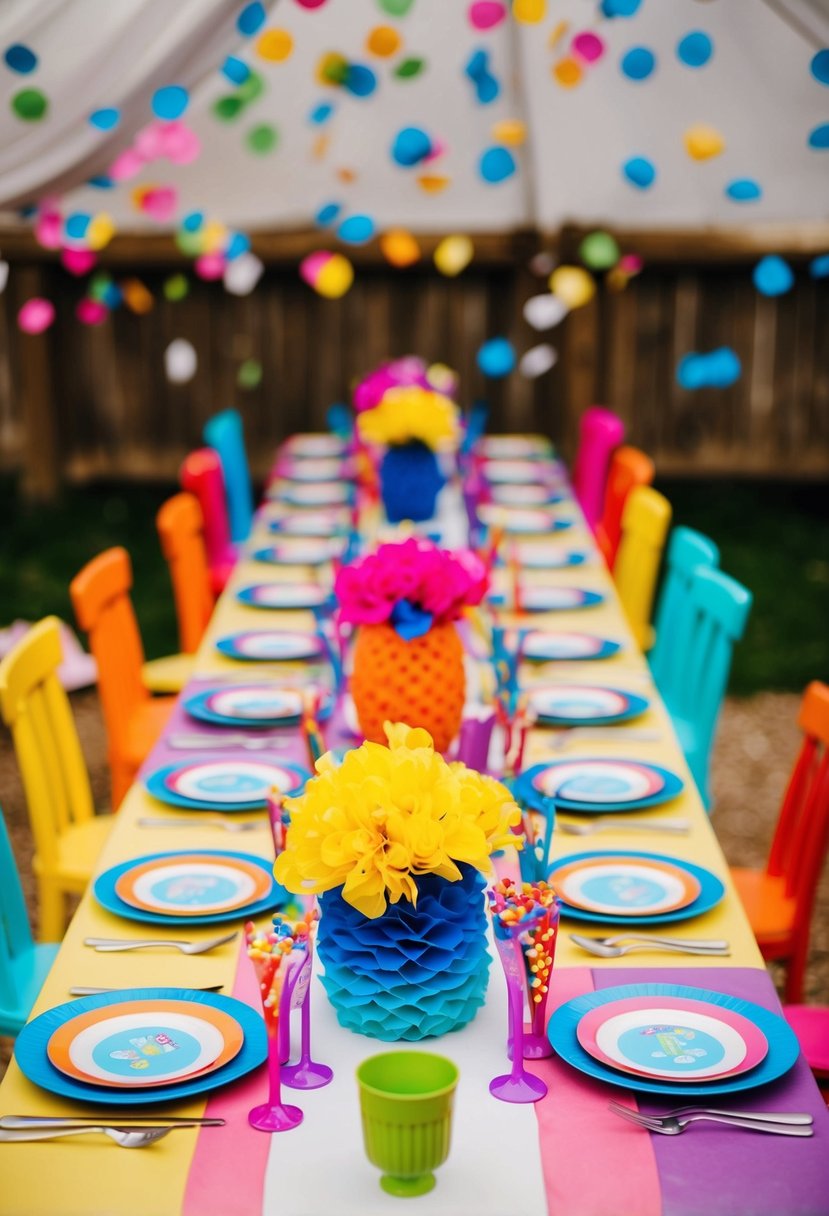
(49,230)
(181,145)
(91,312)
(210,266)
(588,46)
(36,315)
(78,261)
(310,3)
(128,164)
(486,14)
(160,204)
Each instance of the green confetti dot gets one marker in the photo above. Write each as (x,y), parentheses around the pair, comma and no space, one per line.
(262,139)
(409,68)
(395,8)
(226,109)
(30,105)
(189,243)
(176,287)
(99,286)
(251,88)
(249,374)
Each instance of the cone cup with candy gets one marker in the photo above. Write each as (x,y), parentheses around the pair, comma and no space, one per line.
(273,956)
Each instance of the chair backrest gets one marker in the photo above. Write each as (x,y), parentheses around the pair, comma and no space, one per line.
(645,522)
(36,709)
(718,608)
(181,531)
(340,420)
(100,595)
(629,467)
(224,432)
(201,475)
(687,550)
(15,933)
(600,432)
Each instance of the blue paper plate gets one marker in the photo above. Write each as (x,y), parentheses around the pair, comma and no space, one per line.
(783,1052)
(292,555)
(250,596)
(533,599)
(155,784)
(106,895)
(230,646)
(313,528)
(636,705)
(527,793)
(30,1049)
(711,891)
(606,649)
(198,708)
(558,561)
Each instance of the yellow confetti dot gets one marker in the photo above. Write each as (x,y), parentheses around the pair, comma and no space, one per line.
(567,72)
(100,232)
(214,237)
(332,68)
(335,278)
(433,183)
(511,132)
(529,12)
(274,45)
(321,146)
(399,247)
(573,285)
(557,33)
(383,41)
(453,254)
(702,142)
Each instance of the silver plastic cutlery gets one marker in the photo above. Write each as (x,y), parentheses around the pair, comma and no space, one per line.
(703,943)
(221,743)
(764,1116)
(124,1137)
(112,945)
(225,825)
(78,990)
(601,949)
(591,734)
(671,1125)
(30,1122)
(620,823)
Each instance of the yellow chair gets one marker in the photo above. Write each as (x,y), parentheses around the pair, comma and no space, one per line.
(645,522)
(68,834)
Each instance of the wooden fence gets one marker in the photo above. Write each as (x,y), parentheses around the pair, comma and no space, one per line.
(80,402)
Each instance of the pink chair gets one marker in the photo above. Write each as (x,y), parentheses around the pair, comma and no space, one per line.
(600,433)
(201,475)
(811,1025)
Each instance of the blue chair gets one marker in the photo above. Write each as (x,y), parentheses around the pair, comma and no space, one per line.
(23,965)
(718,608)
(687,549)
(225,434)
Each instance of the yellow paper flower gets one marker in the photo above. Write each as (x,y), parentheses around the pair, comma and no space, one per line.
(372,824)
(410,412)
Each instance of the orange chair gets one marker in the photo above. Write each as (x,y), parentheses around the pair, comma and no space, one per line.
(629,467)
(181,530)
(103,608)
(779,900)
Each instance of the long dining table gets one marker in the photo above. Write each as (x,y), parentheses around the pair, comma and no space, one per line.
(566,1155)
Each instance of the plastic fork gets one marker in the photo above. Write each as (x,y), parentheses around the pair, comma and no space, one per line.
(670,1125)
(593,946)
(617,939)
(221,743)
(112,945)
(123,1137)
(619,823)
(765,1116)
(225,825)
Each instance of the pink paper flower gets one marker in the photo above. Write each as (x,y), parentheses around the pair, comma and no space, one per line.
(373,387)
(441,582)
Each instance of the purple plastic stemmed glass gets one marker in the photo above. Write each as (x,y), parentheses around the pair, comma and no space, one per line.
(518,1085)
(275,1115)
(306,1073)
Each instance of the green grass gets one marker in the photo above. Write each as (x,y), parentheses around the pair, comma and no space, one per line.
(774,538)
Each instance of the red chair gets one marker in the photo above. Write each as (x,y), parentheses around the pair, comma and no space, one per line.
(779,899)
(629,467)
(201,475)
(600,432)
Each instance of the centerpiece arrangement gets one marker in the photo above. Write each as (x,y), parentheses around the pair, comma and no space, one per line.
(400,408)
(408,658)
(395,840)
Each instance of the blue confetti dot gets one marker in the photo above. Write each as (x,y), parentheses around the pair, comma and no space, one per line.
(321,113)
(356,230)
(101,182)
(744,190)
(410,146)
(77,224)
(235,70)
(251,19)
(360,80)
(638,63)
(106,119)
(238,244)
(819,137)
(496,358)
(170,102)
(193,221)
(772,276)
(327,214)
(694,50)
(819,266)
(20,59)
(640,172)
(716,369)
(477,65)
(820,66)
(620,8)
(497,164)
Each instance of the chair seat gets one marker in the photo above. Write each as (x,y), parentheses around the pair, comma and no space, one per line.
(811,1025)
(78,851)
(769,909)
(28,971)
(168,675)
(145,727)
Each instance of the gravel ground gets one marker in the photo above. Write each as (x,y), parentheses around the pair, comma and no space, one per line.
(756,746)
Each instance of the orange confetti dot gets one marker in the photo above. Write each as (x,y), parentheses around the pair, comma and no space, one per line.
(511,131)
(399,247)
(274,45)
(136,296)
(383,41)
(567,73)
(321,145)
(346,175)
(433,183)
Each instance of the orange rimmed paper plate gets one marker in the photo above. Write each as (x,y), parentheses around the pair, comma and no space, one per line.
(625,886)
(188,883)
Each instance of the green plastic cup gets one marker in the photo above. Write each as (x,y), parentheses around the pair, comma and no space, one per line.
(406,1102)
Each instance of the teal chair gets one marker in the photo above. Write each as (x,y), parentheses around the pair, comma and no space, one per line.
(687,549)
(340,420)
(717,612)
(224,433)
(23,965)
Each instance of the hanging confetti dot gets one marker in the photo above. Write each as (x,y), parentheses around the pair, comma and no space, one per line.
(251,19)
(640,172)
(136,297)
(360,81)
(588,46)
(487,87)
(100,182)
(36,315)
(321,113)
(819,66)
(91,312)
(567,72)
(453,254)
(399,247)
(433,183)
(573,285)
(383,41)
(702,142)
(235,70)
(262,139)
(176,287)
(599,251)
(510,131)
(20,59)
(638,63)
(529,12)
(100,231)
(210,266)
(78,261)
(819,137)
(497,164)
(557,33)
(30,104)
(330,274)
(77,224)
(242,274)
(356,230)
(486,14)
(744,190)
(311,3)
(411,145)
(619,8)
(395,8)
(238,244)
(409,68)
(716,369)
(818,267)
(249,375)
(544,311)
(695,49)
(106,119)
(170,102)
(496,358)
(228,108)
(772,276)
(180,361)
(537,360)
(274,45)
(327,214)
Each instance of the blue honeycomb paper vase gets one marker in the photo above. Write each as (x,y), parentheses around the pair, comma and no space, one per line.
(415,971)
(410,481)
